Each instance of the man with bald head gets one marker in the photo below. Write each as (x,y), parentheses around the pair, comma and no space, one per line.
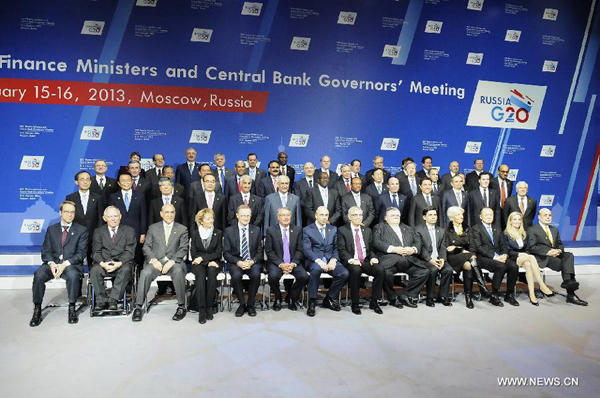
(326,168)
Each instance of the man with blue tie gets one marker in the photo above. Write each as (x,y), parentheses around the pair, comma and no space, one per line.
(279,199)
(393,198)
(253,170)
(63,251)
(221,172)
(132,206)
(319,241)
(188,172)
(455,197)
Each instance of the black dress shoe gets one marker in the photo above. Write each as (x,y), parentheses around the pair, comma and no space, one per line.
(356,309)
(179,314)
(251,310)
(36,319)
(332,304)
(573,299)
(73,318)
(112,305)
(407,302)
(292,305)
(209,314)
(138,314)
(240,311)
(494,300)
(548,295)
(277,305)
(534,302)
(469,301)
(429,302)
(375,307)
(396,303)
(202,316)
(446,302)
(311,311)
(510,299)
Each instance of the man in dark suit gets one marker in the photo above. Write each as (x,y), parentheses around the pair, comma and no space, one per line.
(63,252)
(354,248)
(101,184)
(268,185)
(434,174)
(167,197)
(446,180)
(394,245)
(322,195)
(233,184)
(138,183)
(455,197)
(319,242)
(188,172)
(221,172)
(433,252)
(326,168)
(503,185)
(472,179)
(492,254)
(355,198)
(285,169)
(521,203)
(426,162)
(253,170)
(282,198)
(283,247)
(484,197)
(545,244)
(212,199)
(132,207)
(377,165)
(423,200)
(89,207)
(303,185)
(196,188)
(165,250)
(342,185)
(355,166)
(392,198)
(378,186)
(243,252)
(168,173)
(409,182)
(113,254)
(248,198)
(155,174)
(133,157)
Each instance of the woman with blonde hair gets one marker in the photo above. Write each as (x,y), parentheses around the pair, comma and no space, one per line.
(516,238)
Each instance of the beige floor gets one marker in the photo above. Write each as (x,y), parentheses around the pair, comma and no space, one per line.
(425,352)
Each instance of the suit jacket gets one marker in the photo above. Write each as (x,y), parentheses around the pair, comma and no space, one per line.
(110,187)
(260,174)
(219,207)
(195,190)
(418,204)
(290,172)
(425,245)
(495,184)
(301,188)
(123,250)
(178,190)
(256,204)
(274,245)
(483,244)
(472,181)
(476,204)
(231,187)
(445,182)
(333,177)
(183,175)
(156,205)
(314,200)
(384,237)
(340,187)
(152,177)
(143,187)
(369,176)
(232,247)
(228,174)
(94,212)
(273,203)
(155,245)
(346,244)
(74,250)
(405,185)
(265,187)
(371,190)
(449,200)
(539,244)
(513,246)
(136,217)
(422,174)
(366,204)
(214,251)
(384,201)
(125,169)
(512,205)
(315,247)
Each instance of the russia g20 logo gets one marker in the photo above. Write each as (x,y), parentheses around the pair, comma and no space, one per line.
(473,147)
(347,18)
(146,3)
(32,226)
(201,35)
(546,200)
(32,162)
(434,27)
(513,36)
(550,66)
(517,108)
(300,43)
(513,174)
(390,51)
(390,144)
(476,5)
(253,9)
(92,133)
(551,14)
(92,28)
(548,151)
(299,140)
(200,136)
(474,58)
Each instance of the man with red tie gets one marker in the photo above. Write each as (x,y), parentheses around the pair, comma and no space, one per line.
(268,184)
(503,185)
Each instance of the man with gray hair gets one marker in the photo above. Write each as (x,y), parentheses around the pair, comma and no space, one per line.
(521,203)
(221,172)
(166,197)
(377,165)
(279,199)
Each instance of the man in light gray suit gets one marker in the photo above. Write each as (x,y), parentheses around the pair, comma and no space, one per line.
(165,248)
(282,198)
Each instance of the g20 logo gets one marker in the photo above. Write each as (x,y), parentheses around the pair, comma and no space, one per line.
(202,35)
(94,29)
(93,134)
(475,59)
(200,136)
(146,3)
(252,9)
(390,144)
(299,140)
(518,109)
(34,227)
(347,18)
(475,5)
(433,27)
(33,164)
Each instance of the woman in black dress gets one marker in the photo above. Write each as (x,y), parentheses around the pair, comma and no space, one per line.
(207,251)
(457,242)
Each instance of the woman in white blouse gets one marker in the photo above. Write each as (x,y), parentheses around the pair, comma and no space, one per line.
(518,252)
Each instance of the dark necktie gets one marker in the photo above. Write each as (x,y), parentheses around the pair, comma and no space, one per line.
(134,186)
(113,235)
(245,251)
(101,182)
(394,201)
(427,200)
(286,247)
(310,183)
(485,197)
(63,238)
(359,251)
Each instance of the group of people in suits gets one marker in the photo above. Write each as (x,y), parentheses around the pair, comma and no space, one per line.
(248,221)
